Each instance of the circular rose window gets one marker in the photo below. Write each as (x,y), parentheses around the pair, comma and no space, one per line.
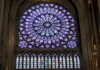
(47,25)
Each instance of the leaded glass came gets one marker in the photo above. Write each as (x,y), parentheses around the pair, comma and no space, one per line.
(47,25)
(61,61)
(47,39)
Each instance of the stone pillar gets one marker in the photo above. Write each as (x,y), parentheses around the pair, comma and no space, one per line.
(2,51)
(96,21)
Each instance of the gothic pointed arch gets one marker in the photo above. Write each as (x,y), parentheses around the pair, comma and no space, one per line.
(47,34)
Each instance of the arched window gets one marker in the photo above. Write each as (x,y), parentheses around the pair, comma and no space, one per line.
(19,61)
(33,61)
(76,61)
(48,61)
(69,61)
(54,61)
(26,61)
(40,61)
(47,38)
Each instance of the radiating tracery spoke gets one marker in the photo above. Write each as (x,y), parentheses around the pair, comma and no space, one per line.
(47,25)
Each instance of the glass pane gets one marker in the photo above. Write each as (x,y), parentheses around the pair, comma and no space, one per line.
(56,62)
(71,62)
(49,58)
(32,62)
(28,62)
(20,63)
(68,60)
(47,61)
(25,62)
(17,62)
(35,62)
(46,25)
(60,62)
(53,62)
(64,62)
(42,62)
(76,61)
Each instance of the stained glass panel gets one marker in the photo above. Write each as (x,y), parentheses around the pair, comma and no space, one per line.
(44,26)
(32,61)
(76,61)
(69,61)
(35,62)
(57,62)
(53,61)
(64,61)
(61,61)
(25,61)
(40,61)
(47,25)
(47,61)
(28,62)
(68,65)
(20,62)
(17,62)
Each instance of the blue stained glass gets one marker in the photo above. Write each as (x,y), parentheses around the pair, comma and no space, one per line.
(64,62)
(76,61)
(19,61)
(47,61)
(65,46)
(72,44)
(48,24)
(53,46)
(32,62)
(42,5)
(23,44)
(45,11)
(28,62)
(68,61)
(54,61)
(40,61)
(52,11)
(51,5)
(48,9)
(25,62)
(47,46)
(35,61)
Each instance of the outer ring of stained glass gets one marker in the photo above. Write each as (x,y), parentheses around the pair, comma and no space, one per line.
(47,25)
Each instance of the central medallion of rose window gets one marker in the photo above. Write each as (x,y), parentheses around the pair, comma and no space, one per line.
(47,24)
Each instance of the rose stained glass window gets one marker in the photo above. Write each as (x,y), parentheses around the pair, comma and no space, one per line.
(47,25)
